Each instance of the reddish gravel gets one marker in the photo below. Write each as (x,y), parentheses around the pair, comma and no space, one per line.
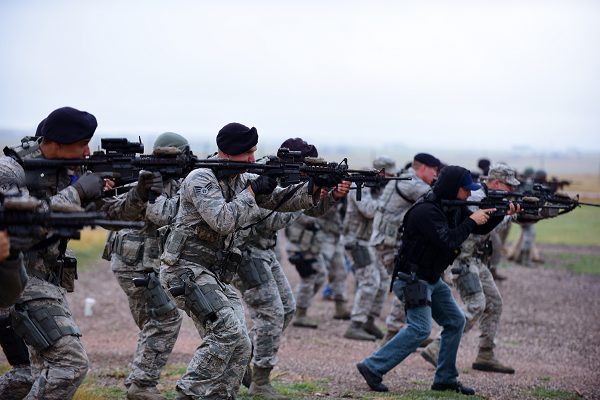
(550,333)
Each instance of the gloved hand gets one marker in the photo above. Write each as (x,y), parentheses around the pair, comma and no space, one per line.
(150,183)
(263,185)
(327,180)
(89,187)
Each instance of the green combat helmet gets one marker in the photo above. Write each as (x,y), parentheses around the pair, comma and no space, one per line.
(171,139)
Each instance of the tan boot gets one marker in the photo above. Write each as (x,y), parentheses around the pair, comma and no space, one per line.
(261,386)
(136,392)
(372,329)
(356,331)
(430,353)
(340,310)
(486,361)
(389,334)
(302,321)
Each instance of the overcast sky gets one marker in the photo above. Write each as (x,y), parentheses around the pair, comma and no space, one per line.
(452,74)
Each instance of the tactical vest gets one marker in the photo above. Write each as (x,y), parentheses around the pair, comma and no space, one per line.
(355,224)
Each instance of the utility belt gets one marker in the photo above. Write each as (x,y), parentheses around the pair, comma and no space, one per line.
(62,272)
(361,257)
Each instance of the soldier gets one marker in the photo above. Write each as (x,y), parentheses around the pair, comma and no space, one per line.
(316,256)
(372,278)
(396,199)
(475,283)
(266,290)
(202,251)
(41,316)
(136,265)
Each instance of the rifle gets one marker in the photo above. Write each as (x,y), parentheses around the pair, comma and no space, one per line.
(536,204)
(29,220)
(119,160)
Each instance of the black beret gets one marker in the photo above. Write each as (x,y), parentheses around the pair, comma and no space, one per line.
(427,159)
(298,144)
(38,131)
(236,138)
(68,125)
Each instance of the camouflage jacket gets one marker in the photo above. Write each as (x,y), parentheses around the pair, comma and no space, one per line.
(396,199)
(213,211)
(358,221)
(139,249)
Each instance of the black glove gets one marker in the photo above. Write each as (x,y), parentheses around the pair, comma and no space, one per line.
(150,185)
(263,185)
(89,187)
(327,180)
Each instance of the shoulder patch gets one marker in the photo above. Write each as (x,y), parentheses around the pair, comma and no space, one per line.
(203,190)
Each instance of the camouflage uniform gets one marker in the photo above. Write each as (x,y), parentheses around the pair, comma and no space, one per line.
(60,364)
(265,289)
(135,255)
(396,199)
(372,278)
(302,238)
(201,253)
(332,251)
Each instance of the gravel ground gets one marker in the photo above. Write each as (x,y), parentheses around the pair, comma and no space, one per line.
(550,333)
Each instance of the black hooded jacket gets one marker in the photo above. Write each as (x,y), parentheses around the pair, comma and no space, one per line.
(433,234)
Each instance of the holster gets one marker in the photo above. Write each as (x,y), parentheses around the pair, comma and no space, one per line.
(304,266)
(252,272)
(360,255)
(157,301)
(13,346)
(415,293)
(37,325)
(202,301)
(468,281)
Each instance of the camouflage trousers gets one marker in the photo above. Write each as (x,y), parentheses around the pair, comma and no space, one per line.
(219,363)
(310,285)
(58,370)
(372,285)
(483,305)
(384,258)
(498,237)
(157,335)
(272,307)
(333,257)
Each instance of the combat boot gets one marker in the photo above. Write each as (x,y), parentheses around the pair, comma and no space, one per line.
(372,329)
(136,392)
(524,258)
(261,386)
(389,334)
(356,331)
(340,310)
(430,353)
(486,361)
(302,321)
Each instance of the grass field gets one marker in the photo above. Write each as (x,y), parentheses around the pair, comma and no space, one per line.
(580,227)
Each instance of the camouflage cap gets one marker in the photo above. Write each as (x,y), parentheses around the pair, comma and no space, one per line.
(504,173)
(385,162)
(171,139)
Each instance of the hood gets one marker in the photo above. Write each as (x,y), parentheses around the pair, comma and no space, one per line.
(448,182)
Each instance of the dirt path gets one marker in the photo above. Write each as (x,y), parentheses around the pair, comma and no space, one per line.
(550,333)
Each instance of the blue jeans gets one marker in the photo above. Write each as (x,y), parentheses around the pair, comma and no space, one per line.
(445,312)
